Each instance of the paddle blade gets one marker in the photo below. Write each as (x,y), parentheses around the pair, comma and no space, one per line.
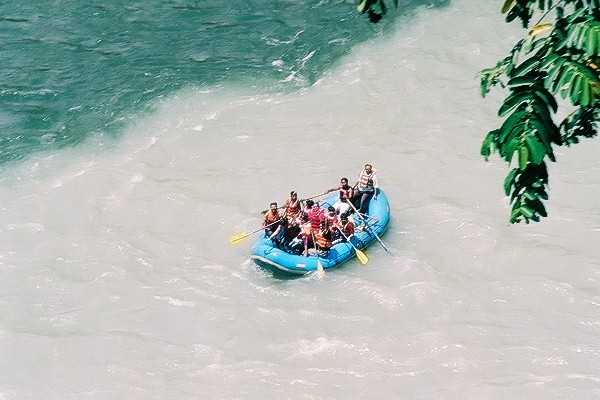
(320,267)
(362,257)
(237,238)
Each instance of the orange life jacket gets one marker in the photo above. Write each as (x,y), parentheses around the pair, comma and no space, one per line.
(292,208)
(323,240)
(271,217)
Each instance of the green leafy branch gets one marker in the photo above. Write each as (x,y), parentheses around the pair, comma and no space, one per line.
(558,59)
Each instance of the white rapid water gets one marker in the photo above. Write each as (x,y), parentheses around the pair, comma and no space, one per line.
(118,279)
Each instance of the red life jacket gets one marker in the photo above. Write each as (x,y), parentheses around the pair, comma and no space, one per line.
(332,220)
(315,216)
(348,228)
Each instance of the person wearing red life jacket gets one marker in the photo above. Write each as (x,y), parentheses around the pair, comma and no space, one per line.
(331,217)
(314,213)
(346,226)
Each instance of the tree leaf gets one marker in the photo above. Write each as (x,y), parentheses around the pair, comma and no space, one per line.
(536,205)
(526,211)
(514,121)
(536,149)
(584,36)
(520,80)
(515,216)
(514,100)
(364,5)
(527,66)
(547,98)
(508,4)
(509,149)
(536,30)
(486,146)
(510,178)
(541,132)
(523,157)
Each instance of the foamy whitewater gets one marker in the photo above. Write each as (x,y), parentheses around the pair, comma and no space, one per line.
(118,281)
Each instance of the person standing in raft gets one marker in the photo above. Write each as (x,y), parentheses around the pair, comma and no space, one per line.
(270,218)
(366,188)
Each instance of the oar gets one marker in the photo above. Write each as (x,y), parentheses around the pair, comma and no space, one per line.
(308,198)
(371,229)
(317,195)
(237,238)
(367,216)
(320,268)
(362,257)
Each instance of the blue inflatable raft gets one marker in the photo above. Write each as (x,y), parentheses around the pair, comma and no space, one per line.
(266,255)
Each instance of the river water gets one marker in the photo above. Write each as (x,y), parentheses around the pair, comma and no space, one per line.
(118,200)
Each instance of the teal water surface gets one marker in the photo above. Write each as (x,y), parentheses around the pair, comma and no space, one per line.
(73,69)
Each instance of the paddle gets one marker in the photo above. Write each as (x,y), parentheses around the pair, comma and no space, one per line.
(237,238)
(308,198)
(320,268)
(362,257)
(368,227)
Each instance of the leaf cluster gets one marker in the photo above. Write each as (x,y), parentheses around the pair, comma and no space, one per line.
(375,9)
(554,59)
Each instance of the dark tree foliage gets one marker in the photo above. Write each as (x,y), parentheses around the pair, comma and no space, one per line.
(375,9)
(557,58)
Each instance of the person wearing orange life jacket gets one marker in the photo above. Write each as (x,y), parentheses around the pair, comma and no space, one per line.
(346,227)
(366,188)
(322,241)
(270,218)
(292,207)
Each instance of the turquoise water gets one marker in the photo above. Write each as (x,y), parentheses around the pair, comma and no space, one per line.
(76,69)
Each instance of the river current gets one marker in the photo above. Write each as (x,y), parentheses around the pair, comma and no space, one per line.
(119,194)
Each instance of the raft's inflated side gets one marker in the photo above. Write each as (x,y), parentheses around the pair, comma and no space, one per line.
(266,255)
